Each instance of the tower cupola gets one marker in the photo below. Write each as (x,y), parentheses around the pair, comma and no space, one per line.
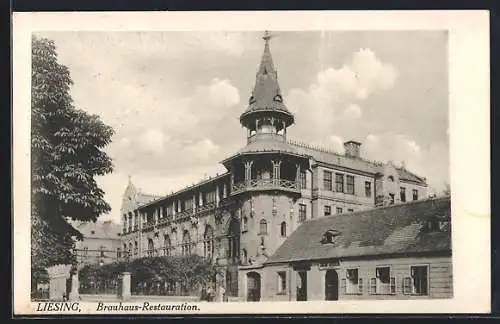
(266,112)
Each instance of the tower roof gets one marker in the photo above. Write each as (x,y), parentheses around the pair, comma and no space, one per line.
(266,95)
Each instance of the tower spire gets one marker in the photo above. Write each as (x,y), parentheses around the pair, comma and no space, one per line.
(266,100)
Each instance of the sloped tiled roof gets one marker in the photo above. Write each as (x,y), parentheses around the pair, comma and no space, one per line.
(268,146)
(266,89)
(143,198)
(388,230)
(99,229)
(352,163)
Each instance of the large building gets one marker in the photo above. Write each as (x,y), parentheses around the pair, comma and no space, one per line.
(272,188)
(101,242)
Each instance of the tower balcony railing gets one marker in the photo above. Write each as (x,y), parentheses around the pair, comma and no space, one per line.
(266,184)
(265,136)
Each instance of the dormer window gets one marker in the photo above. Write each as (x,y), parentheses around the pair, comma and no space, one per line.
(391,178)
(92,232)
(330,237)
(436,224)
(251,100)
(278,98)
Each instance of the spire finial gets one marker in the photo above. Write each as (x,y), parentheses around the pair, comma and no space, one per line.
(266,36)
(129,178)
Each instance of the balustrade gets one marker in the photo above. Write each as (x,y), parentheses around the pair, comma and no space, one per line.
(263,184)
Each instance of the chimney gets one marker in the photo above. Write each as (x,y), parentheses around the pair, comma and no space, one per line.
(352,149)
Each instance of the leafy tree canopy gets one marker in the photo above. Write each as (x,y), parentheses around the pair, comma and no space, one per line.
(66,154)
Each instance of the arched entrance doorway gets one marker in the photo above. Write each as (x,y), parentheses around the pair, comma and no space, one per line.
(253,286)
(331,285)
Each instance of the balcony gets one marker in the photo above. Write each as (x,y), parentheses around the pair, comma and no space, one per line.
(207,207)
(148,225)
(266,184)
(165,220)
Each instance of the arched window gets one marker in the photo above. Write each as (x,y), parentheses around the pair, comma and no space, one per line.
(125,252)
(233,240)
(166,245)
(244,256)
(245,224)
(129,252)
(208,242)
(262,226)
(151,247)
(136,248)
(186,243)
(283,229)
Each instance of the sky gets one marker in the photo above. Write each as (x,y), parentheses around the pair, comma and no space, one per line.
(174,98)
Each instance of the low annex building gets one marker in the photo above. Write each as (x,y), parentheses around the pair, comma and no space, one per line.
(400,251)
(273,187)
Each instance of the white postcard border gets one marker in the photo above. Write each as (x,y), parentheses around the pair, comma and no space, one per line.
(469,84)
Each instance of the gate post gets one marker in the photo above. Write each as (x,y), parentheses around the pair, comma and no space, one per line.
(75,285)
(124,292)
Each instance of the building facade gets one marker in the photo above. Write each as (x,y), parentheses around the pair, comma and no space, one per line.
(272,186)
(101,243)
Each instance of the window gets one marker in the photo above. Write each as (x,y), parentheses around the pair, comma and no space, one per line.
(327,180)
(330,236)
(281,282)
(415,194)
(244,256)
(391,197)
(85,250)
(302,212)
(186,243)
(383,283)
(101,251)
(327,210)
(350,210)
(208,242)
(350,184)
(118,253)
(211,196)
(339,210)
(167,244)
(417,283)
(339,182)
(402,194)
(368,189)
(262,227)
(391,178)
(151,247)
(354,284)
(283,229)
(303,180)
(245,224)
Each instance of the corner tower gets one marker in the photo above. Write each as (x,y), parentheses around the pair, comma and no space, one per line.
(266,115)
(265,174)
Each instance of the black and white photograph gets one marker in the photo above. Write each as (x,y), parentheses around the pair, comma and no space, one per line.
(181,170)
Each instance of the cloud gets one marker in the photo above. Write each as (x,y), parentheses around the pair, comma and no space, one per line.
(352,111)
(214,101)
(334,97)
(200,151)
(153,141)
(431,162)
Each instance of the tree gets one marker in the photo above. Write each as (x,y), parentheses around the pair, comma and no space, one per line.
(66,154)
